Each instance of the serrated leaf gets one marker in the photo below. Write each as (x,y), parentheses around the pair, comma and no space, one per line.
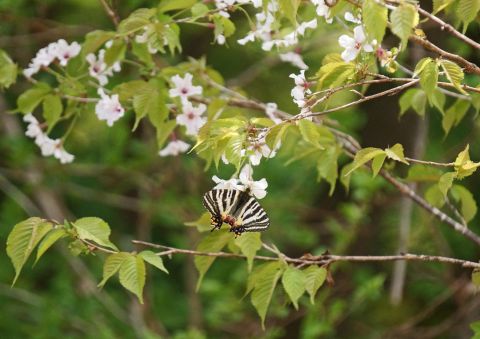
(170,5)
(47,242)
(153,259)
(94,229)
(334,74)
(263,288)
(404,18)
(445,183)
(314,278)
(463,165)
(112,265)
(150,102)
(377,164)
(454,115)
(249,243)
(467,11)
(136,21)
(454,74)
(293,281)
(468,205)
(132,275)
(126,90)
(213,242)
(52,110)
(94,40)
(202,224)
(309,132)
(363,156)
(23,239)
(375,19)
(275,134)
(429,78)
(396,153)
(32,97)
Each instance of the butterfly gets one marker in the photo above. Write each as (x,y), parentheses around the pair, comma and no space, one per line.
(236,208)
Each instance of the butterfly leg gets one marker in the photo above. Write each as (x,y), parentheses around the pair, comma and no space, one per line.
(216,222)
(238,230)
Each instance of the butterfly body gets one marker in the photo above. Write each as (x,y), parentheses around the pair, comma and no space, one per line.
(236,208)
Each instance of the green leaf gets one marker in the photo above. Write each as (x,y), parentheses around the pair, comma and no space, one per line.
(454,74)
(116,52)
(136,21)
(438,100)
(375,19)
(293,281)
(153,259)
(396,153)
(363,156)
(22,240)
(377,164)
(150,102)
(170,5)
(263,288)
(404,18)
(132,275)
(309,132)
(454,115)
(126,90)
(327,166)
(163,131)
(213,242)
(112,265)
(476,277)
(413,98)
(463,165)
(8,70)
(52,110)
(94,229)
(199,10)
(31,98)
(467,202)
(334,74)
(140,50)
(47,242)
(421,173)
(314,278)
(419,101)
(439,5)
(275,134)
(429,78)
(289,9)
(445,183)
(203,223)
(467,11)
(434,196)
(94,40)
(249,244)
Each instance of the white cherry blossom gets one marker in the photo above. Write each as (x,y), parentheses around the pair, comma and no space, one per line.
(61,154)
(98,69)
(294,58)
(301,89)
(33,127)
(323,10)
(256,188)
(108,108)
(64,52)
(354,45)
(259,150)
(174,148)
(312,24)
(350,17)
(270,110)
(191,117)
(183,87)
(227,184)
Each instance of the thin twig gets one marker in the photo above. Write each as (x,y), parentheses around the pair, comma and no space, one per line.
(430,163)
(110,12)
(326,259)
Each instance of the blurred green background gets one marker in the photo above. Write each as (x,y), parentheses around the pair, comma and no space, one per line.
(118,176)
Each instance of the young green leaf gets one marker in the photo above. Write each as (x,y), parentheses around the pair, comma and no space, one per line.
(202,224)
(445,183)
(94,40)
(264,286)
(31,98)
(249,244)
(327,166)
(293,281)
(213,242)
(153,259)
(136,21)
(22,240)
(334,74)
(275,134)
(47,242)
(375,19)
(170,5)
(289,9)
(439,5)
(468,205)
(434,196)
(363,156)
(112,265)
(132,275)
(422,173)
(94,229)
(454,74)
(309,132)
(150,102)
(314,278)
(52,110)
(429,78)
(8,70)
(396,153)
(404,18)
(116,52)
(467,11)
(377,164)
(463,165)
(454,115)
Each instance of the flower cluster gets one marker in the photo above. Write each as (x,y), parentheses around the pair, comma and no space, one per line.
(48,146)
(245,182)
(300,90)
(353,45)
(98,69)
(60,50)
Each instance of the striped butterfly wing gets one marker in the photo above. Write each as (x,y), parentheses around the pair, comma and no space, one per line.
(250,216)
(220,203)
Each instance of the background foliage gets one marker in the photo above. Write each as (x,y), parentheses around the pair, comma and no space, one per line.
(119,177)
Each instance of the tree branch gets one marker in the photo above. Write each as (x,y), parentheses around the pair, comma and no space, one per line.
(323,260)
(110,12)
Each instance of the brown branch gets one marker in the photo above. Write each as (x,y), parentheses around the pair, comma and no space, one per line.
(449,28)
(325,259)
(430,163)
(469,67)
(110,12)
